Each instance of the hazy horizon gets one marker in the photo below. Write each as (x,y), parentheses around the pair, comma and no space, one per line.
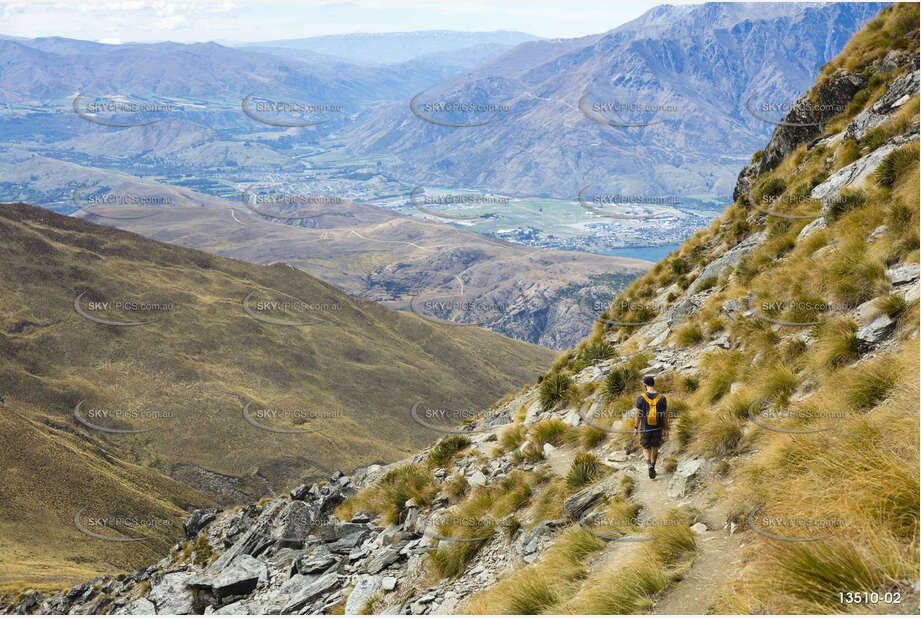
(231,23)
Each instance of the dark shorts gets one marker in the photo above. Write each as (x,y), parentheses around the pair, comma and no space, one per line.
(650,438)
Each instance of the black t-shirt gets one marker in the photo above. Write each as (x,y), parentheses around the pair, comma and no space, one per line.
(661,407)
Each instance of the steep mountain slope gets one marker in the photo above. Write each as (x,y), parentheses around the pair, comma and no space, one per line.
(694,69)
(51,472)
(788,350)
(206,380)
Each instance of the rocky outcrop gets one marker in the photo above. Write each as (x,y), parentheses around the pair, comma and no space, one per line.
(897,95)
(198,520)
(803,122)
(722,265)
(854,174)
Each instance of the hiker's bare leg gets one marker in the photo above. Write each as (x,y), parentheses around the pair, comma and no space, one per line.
(646,454)
(653,455)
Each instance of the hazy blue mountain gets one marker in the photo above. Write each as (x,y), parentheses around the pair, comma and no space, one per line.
(396,47)
(698,65)
(40,70)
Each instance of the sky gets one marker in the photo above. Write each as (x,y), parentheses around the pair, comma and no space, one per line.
(242,21)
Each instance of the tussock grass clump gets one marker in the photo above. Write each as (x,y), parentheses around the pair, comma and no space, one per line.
(816,572)
(737,404)
(590,437)
(615,383)
(778,383)
(513,492)
(895,163)
(628,591)
(388,498)
(456,486)
(679,266)
(539,588)
(532,596)
(771,189)
(868,384)
(512,437)
(674,539)
(717,435)
(688,334)
(550,431)
(898,214)
(630,588)
(548,502)
(706,284)
(893,305)
(626,484)
(689,384)
(837,345)
(793,351)
(683,429)
(559,363)
(583,470)
(553,388)
(451,562)
(532,453)
(477,519)
(445,450)
(848,200)
(618,516)
(721,371)
(200,549)
(853,275)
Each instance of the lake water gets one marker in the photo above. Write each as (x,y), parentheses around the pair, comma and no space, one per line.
(652,254)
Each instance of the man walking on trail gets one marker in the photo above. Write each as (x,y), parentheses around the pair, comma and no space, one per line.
(651,422)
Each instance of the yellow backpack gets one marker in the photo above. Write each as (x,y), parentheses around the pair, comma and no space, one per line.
(652,417)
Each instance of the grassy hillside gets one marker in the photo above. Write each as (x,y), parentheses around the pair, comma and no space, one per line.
(343,386)
(50,473)
(793,346)
(785,337)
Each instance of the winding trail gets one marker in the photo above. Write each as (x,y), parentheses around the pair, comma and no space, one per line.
(719,554)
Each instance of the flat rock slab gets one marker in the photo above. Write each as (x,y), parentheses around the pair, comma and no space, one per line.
(366,586)
(579,503)
(241,576)
(305,589)
(172,596)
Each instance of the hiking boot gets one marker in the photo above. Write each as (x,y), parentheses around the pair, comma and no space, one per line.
(652,472)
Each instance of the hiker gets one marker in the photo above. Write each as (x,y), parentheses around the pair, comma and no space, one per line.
(651,422)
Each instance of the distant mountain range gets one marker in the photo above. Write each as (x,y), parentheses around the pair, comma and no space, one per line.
(48,69)
(700,64)
(690,69)
(398,47)
(347,69)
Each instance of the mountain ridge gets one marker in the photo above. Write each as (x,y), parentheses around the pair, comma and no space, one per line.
(542,83)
